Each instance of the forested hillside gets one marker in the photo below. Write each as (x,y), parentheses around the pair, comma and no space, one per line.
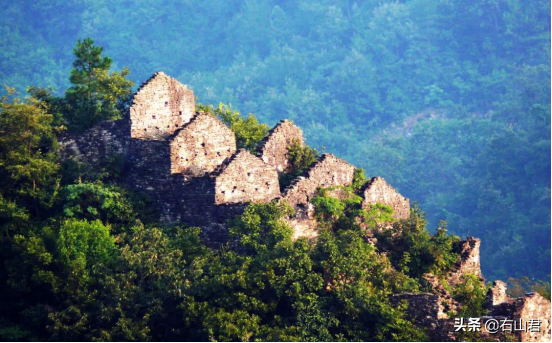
(448,100)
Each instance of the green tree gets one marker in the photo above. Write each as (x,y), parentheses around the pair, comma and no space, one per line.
(28,146)
(81,245)
(96,94)
(249,132)
(300,157)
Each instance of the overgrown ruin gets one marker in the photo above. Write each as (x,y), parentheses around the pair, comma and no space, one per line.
(188,164)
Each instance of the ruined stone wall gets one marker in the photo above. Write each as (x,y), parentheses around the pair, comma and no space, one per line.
(468,263)
(94,145)
(161,106)
(446,302)
(424,310)
(201,145)
(497,294)
(428,311)
(273,149)
(534,306)
(378,190)
(327,171)
(149,165)
(243,178)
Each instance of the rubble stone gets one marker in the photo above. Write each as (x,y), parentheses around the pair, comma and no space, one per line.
(104,140)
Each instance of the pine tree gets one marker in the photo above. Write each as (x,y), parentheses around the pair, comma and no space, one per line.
(96,94)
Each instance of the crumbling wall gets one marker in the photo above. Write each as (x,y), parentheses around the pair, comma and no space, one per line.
(243,178)
(534,306)
(378,190)
(424,310)
(273,149)
(161,106)
(446,302)
(327,171)
(496,295)
(94,145)
(524,310)
(468,262)
(201,145)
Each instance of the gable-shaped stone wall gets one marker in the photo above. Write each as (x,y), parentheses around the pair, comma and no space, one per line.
(245,177)
(378,190)
(201,146)
(161,106)
(327,171)
(273,149)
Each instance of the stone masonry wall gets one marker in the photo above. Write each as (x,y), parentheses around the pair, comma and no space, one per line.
(496,295)
(425,311)
(327,171)
(378,190)
(201,145)
(161,106)
(97,143)
(149,164)
(244,178)
(468,263)
(273,149)
(534,306)
(530,307)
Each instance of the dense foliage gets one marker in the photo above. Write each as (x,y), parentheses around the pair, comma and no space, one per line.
(91,270)
(83,260)
(300,158)
(249,132)
(448,100)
